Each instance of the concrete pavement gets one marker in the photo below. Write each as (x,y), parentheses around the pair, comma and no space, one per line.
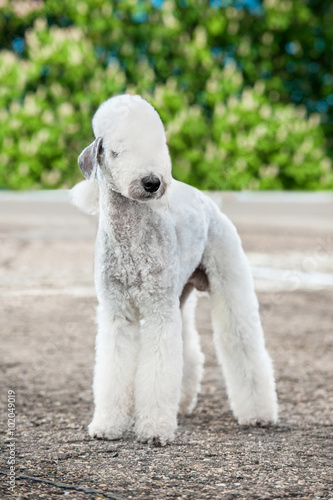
(47,335)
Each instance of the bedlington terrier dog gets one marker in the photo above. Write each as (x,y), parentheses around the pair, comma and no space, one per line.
(159,239)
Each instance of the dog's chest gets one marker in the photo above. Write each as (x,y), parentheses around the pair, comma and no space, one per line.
(134,250)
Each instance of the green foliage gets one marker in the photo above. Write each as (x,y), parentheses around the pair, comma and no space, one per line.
(249,143)
(202,68)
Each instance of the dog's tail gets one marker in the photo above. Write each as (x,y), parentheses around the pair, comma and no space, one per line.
(85,196)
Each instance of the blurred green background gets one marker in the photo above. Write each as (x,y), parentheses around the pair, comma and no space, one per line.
(244,87)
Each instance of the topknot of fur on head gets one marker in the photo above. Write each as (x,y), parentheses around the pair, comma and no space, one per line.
(127,122)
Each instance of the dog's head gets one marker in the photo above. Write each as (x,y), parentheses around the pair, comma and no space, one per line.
(129,153)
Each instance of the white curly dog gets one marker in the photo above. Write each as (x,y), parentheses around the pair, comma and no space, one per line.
(157,240)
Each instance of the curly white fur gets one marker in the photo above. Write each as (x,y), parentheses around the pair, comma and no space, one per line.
(157,240)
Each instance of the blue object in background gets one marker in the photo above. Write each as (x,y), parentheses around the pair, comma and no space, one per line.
(18,45)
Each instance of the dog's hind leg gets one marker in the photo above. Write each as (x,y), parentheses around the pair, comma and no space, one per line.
(238,334)
(192,356)
(116,351)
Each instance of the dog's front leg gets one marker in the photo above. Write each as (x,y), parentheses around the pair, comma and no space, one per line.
(116,351)
(158,377)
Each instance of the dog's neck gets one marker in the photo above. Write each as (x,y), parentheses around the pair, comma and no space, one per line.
(121,217)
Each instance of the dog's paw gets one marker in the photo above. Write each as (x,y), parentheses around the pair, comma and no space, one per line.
(257,421)
(103,430)
(155,435)
(262,413)
(156,441)
(187,404)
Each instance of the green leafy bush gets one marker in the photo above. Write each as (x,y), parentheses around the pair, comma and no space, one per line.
(44,130)
(224,131)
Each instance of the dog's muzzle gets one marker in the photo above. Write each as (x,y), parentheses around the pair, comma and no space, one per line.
(149,187)
(151,183)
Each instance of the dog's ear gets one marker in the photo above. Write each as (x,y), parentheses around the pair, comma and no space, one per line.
(88,159)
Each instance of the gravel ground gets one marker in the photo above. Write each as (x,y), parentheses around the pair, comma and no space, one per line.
(47,335)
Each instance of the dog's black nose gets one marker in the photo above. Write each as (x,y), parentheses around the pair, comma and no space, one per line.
(151,183)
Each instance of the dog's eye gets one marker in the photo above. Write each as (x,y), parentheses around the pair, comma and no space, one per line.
(114,154)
